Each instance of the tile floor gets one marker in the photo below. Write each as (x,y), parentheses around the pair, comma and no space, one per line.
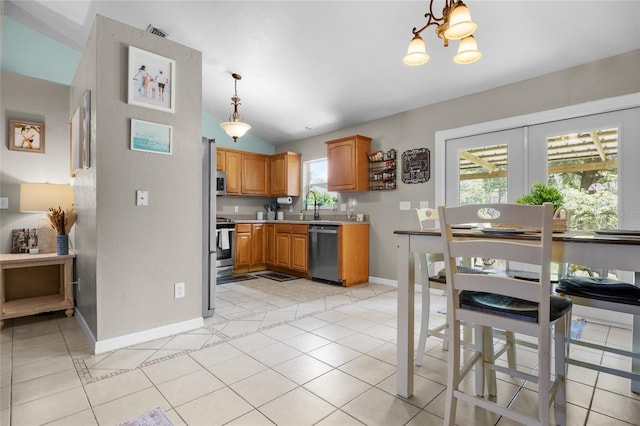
(293,353)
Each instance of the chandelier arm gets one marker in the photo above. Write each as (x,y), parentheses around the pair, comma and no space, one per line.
(431,17)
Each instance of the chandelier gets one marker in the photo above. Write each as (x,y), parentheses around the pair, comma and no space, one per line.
(235,127)
(454,24)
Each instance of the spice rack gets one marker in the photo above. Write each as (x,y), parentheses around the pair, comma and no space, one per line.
(382,170)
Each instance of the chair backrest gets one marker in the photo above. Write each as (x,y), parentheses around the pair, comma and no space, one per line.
(425,215)
(528,249)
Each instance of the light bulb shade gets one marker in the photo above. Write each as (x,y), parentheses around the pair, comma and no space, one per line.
(468,52)
(416,53)
(460,23)
(39,197)
(235,129)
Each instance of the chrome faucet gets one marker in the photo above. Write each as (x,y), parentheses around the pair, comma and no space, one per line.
(316,213)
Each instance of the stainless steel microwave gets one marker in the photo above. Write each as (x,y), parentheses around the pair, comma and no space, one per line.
(221,183)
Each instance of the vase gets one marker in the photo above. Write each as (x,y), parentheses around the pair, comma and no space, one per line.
(271,215)
(63,245)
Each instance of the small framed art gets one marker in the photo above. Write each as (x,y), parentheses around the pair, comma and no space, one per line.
(151,80)
(150,137)
(26,136)
(75,137)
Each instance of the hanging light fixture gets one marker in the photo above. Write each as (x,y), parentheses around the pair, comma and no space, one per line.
(454,24)
(235,127)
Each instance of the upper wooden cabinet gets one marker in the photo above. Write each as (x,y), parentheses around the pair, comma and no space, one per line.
(255,174)
(251,173)
(348,163)
(285,174)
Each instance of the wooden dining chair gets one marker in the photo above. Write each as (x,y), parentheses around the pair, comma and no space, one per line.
(506,303)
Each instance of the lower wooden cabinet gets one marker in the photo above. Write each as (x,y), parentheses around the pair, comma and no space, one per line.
(290,248)
(249,248)
(270,244)
(353,254)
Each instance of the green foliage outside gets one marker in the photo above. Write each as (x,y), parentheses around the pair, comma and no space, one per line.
(324,199)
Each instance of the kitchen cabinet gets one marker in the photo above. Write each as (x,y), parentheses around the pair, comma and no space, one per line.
(291,248)
(348,163)
(285,174)
(233,167)
(220,159)
(353,254)
(249,248)
(270,244)
(255,174)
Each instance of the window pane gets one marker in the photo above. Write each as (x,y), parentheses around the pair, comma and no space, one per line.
(483,175)
(315,180)
(584,167)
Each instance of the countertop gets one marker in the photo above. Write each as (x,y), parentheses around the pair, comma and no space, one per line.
(303,222)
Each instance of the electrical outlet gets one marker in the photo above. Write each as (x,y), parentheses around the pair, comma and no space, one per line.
(178,290)
(424,204)
(236,209)
(343,207)
(142,198)
(405,205)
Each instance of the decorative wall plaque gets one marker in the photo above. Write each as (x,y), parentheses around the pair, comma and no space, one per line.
(416,165)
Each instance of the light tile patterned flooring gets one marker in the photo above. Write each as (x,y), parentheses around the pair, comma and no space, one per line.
(292,353)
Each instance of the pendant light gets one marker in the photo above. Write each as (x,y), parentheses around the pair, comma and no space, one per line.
(235,127)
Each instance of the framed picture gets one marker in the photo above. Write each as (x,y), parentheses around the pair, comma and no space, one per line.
(75,136)
(150,137)
(416,165)
(26,136)
(151,80)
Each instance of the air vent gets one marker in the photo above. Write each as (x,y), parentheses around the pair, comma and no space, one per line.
(157,31)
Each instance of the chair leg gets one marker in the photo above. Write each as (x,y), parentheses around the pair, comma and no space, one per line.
(480,346)
(488,356)
(511,349)
(561,345)
(453,376)
(424,322)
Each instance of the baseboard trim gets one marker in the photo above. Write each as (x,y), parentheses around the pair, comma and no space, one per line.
(385,281)
(108,345)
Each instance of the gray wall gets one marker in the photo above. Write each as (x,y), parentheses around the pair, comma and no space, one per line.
(130,257)
(607,78)
(31,99)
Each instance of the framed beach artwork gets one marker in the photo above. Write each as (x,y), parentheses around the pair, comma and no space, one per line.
(151,80)
(26,136)
(75,132)
(85,125)
(150,137)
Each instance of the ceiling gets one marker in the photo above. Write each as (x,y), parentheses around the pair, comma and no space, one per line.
(310,67)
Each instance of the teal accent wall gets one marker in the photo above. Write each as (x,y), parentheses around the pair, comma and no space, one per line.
(27,52)
(211,129)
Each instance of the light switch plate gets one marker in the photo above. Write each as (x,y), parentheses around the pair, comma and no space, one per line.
(178,290)
(4,203)
(405,205)
(142,198)
(424,204)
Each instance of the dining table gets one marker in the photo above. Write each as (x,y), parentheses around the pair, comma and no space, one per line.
(605,250)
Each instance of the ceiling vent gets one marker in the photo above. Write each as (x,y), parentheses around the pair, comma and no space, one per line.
(157,31)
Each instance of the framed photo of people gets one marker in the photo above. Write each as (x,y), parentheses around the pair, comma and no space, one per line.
(26,136)
(151,80)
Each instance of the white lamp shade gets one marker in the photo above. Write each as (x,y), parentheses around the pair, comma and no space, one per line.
(460,23)
(468,52)
(416,53)
(235,129)
(40,197)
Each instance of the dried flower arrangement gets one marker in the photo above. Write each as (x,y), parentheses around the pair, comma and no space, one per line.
(62,221)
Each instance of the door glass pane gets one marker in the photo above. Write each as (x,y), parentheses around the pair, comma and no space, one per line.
(483,175)
(584,167)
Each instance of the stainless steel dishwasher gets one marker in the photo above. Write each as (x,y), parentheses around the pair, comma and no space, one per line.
(323,253)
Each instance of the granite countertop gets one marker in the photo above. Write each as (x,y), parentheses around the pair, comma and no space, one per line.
(303,222)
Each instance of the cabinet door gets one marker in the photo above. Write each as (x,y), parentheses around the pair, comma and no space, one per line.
(257,237)
(270,244)
(299,252)
(285,174)
(220,159)
(255,174)
(283,249)
(348,164)
(233,167)
(243,250)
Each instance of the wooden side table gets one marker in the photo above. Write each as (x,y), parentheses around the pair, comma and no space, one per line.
(35,283)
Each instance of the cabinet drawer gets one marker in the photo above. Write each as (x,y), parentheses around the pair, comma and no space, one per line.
(243,227)
(283,228)
(299,229)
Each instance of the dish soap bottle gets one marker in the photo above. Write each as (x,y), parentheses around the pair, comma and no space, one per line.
(301,216)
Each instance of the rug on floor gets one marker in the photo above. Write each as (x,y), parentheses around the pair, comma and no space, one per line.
(155,417)
(277,276)
(235,278)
